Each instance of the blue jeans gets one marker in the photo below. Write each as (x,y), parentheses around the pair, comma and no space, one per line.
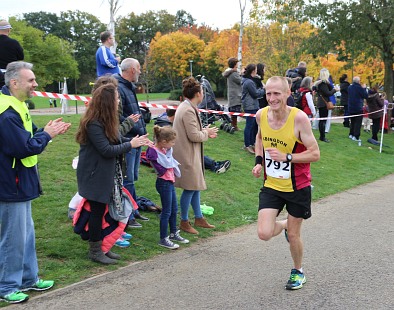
(18,259)
(132,167)
(251,128)
(190,197)
(209,163)
(169,206)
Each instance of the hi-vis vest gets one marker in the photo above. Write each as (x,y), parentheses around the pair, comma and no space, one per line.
(23,111)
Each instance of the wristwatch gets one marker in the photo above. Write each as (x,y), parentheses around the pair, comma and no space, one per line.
(289,157)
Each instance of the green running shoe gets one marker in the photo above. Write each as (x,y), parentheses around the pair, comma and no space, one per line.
(297,279)
(40,285)
(15,297)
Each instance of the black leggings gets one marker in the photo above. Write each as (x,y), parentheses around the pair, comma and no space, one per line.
(97,210)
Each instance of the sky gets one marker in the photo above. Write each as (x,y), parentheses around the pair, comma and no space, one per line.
(222,14)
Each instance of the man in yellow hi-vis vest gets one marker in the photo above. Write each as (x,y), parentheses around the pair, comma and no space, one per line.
(20,143)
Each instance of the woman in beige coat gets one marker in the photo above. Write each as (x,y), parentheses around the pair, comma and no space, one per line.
(188,151)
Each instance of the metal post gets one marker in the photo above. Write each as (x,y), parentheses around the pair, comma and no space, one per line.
(191,67)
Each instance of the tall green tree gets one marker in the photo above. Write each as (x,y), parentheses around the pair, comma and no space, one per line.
(81,30)
(349,28)
(51,56)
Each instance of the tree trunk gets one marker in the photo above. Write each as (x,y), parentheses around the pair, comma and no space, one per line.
(388,77)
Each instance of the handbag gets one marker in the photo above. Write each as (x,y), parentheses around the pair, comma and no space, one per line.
(329,104)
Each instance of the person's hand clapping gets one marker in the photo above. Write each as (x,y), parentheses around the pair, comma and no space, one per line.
(139,141)
(56,127)
(212,131)
(134,117)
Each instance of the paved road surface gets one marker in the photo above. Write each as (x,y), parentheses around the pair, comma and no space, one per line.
(348,264)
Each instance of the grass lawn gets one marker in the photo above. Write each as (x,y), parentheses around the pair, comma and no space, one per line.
(43,103)
(234,195)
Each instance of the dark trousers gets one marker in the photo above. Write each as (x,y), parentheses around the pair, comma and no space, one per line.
(375,128)
(355,125)
(323,112)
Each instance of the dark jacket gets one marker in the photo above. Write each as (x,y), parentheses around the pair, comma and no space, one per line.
(357,94)
(324,91)
(130,105)
(250,94)
(344,94)
(19,183)
(96,164)
(10,50)
(375,103)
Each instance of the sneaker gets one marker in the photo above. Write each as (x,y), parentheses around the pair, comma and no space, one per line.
(122,243)
(297,279)
(15,297)
(350,137)
(167,243)
(70,213)
(40,285)
(126,236)
(177,237)
(140,217)
(286,235)
(354,138)
(134,224)
(223,166)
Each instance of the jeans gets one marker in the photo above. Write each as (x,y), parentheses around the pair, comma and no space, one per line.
(132,167)
(323,113)
(355,125)
(18,259)
(251,128)
(190,197)
(209,163)
(169,206)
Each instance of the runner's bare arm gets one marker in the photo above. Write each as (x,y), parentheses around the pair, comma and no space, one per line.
(258,147)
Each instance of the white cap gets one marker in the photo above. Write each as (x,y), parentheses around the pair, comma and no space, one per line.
(4,25)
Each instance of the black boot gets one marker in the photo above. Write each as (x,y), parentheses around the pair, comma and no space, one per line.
(96,255)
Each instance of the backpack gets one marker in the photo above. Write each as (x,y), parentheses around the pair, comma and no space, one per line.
(297,96)
(293,73)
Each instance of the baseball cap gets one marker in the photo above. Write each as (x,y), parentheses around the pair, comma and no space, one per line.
(4,25)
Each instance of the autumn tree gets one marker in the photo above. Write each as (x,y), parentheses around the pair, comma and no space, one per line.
(170,54)
(350,28)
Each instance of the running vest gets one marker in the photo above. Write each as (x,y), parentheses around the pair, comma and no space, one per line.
(283,176)
(23,111)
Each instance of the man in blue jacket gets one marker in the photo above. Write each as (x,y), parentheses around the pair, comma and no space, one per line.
(106,62)
(357,93)
(131,71)
(20,143)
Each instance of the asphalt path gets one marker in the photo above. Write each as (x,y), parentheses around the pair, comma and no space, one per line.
(348,263)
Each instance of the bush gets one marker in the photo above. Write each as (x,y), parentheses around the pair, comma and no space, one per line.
(175,94)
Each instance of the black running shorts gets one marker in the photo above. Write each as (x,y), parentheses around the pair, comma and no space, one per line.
(298,203)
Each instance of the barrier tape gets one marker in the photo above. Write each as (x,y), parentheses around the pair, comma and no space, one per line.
(163,106)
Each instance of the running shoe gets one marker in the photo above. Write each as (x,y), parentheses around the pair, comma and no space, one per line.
(15,297)
(40,285)
(297,279)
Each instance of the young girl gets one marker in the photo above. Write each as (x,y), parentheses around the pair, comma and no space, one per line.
(166,168)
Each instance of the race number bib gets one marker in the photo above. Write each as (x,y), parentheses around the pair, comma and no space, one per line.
(277,169)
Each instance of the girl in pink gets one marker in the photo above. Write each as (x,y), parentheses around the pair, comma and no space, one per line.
(166,168)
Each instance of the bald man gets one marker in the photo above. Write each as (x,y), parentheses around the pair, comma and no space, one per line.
(285,147)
